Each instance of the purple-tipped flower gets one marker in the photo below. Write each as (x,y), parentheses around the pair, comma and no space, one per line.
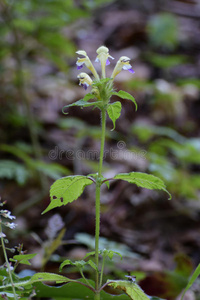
(122,64)
(7,214)
(10,225)
(84,60)
(84,80)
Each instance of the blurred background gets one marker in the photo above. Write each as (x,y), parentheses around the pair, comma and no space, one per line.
(159,239)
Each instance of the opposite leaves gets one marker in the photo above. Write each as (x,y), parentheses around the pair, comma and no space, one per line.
(66,190)
(144,180)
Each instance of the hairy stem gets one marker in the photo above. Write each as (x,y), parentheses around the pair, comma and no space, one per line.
(102,269)
(98,187)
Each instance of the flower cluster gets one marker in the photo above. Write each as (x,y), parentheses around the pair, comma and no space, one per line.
(103,57)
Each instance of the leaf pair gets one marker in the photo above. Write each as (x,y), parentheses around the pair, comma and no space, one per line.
(113,109)
(68,189)
(80,264)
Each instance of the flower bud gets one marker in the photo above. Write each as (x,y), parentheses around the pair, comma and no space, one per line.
(84,80)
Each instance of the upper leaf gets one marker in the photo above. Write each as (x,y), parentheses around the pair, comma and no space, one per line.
(144,180)
(79,264)
(125,95)
(130,288)
(114,111)
(66,190)
(82,103)
(23,258)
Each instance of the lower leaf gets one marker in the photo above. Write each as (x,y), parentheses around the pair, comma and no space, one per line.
(130,288)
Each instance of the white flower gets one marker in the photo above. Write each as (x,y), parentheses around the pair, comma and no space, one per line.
(2,235)
(10,225)
(122,64)
(84,59)
(7,214)
(102,57)
(84,80)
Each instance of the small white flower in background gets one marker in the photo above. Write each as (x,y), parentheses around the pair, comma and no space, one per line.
(122,64)
(10,225)
(2,235)
(84,80)
(7,214)
(84,60)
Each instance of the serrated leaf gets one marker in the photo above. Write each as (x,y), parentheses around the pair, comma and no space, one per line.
(130,288)
(79,264)
(43,276)
(110,253)
(38,277)
(144,180)
(92,264)
(88,97)
(125,95)
(66,190)
(82,103)
(23,258)
(114,111)
(192,280)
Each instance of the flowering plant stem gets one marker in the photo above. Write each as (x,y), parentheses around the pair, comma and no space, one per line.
(98,187)
(7,263)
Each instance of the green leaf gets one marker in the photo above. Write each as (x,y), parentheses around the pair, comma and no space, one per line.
(144,180)
(125,95)
(130,288)
(110,253)
(43,276)
(114,111)
(23,259)
(82,103)
(92,264)
(66,190)
(192,280)
(38,277)
(73,290)
(88,97)
(79,264)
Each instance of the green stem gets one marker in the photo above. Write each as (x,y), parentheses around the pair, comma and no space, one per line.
(102,269)
(7,264)
(98,187)
(86,281)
